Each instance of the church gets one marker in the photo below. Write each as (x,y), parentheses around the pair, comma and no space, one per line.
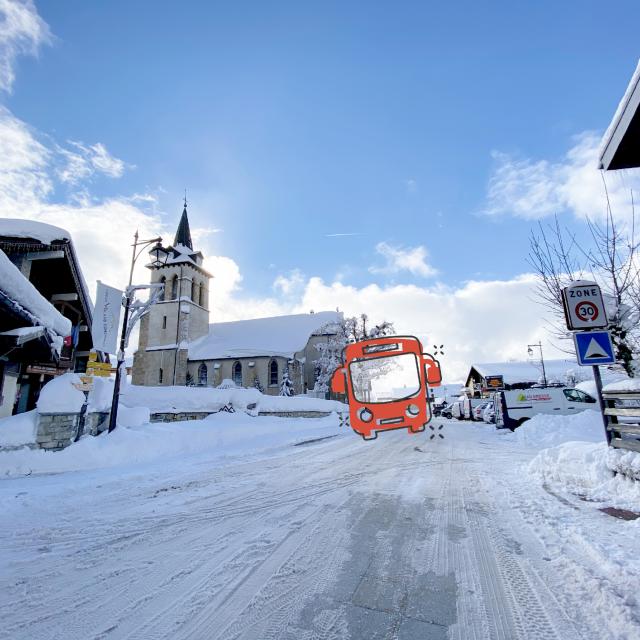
(178,345)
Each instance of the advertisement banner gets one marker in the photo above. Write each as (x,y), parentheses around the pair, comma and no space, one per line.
(106,318)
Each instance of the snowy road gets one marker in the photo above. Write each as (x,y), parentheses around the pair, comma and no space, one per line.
(397,538)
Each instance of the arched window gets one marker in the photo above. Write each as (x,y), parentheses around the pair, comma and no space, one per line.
(273,373)
(174,287)
(194,289)
(237,374)
(163,282)
(201,295)
(202,375)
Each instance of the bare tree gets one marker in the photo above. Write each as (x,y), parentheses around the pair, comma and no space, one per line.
(610,259)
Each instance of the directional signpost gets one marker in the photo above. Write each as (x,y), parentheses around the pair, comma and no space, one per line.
(585,314)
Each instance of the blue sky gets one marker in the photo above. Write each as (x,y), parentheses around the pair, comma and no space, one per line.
(428,127)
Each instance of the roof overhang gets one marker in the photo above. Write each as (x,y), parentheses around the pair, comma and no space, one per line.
(621,144)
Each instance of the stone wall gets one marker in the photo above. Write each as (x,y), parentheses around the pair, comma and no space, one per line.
(178,417)
(56,431)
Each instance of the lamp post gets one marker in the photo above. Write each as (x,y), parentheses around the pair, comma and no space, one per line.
(530,352)
(160,256)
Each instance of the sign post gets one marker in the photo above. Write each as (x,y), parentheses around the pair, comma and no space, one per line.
(584,312)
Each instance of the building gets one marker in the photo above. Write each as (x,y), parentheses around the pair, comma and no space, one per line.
(50,329)
(520,375)
(620,147)
(178,346)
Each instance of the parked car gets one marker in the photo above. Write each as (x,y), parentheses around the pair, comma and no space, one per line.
(446,411)
(489,414)
(515,407)
(478,410)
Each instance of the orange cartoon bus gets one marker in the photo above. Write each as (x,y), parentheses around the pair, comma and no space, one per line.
(386,382)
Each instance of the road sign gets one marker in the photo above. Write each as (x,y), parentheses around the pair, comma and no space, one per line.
(584,306)
(594,347)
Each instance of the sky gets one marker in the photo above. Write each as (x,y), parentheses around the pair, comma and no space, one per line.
(386,158)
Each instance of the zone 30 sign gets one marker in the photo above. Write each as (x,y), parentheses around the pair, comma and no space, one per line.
(584,306)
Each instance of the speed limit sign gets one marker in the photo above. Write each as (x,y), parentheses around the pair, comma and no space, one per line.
(584,306)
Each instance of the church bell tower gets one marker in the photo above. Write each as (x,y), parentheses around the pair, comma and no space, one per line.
(180,317)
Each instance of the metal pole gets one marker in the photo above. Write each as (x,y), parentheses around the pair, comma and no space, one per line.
(598,380)
(113,416)
(544,373)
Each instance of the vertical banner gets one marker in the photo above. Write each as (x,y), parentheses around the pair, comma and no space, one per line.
(106,318)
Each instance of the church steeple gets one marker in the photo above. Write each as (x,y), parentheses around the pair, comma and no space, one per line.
(183,234)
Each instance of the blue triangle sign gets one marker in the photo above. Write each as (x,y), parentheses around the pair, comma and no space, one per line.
(594,347)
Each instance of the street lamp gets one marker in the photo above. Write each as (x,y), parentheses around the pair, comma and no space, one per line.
(160,256)
(530,352)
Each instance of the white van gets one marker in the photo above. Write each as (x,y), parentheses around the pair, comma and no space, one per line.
(512,408)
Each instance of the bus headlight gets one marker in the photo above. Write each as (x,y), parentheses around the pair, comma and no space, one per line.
(365,415)
(413,410)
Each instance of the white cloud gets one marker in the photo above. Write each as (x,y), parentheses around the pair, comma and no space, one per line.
(84,161)
(397,259)
(534,189)
(290,284)
(477,322)
(22,31)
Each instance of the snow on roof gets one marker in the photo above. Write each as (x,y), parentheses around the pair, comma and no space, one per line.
(276,336)
(620,121)
(16,287)
(517,372)
(20,228)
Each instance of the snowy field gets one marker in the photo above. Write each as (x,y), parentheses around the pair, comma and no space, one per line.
(226,529)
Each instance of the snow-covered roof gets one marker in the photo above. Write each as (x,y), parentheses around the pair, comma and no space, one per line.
(276,336)
(18,289)
(619,144)
(523,372)
(19,228)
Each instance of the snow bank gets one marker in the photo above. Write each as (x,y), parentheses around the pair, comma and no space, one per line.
(627,384)
(18,430)
(184,399)
(21,291)
(101,395)
(592,470)
(220,435)
(60,396)
(546,430)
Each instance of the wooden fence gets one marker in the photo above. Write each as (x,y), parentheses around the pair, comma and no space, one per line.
(622,411)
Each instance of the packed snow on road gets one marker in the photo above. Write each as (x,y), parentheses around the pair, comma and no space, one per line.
(249,527)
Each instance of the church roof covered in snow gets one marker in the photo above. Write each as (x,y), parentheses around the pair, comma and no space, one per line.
(276,336)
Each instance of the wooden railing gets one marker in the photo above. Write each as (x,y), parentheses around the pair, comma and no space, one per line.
(625,406)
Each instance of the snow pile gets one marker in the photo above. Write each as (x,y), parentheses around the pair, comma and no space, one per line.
(628,385)
(592,470)
(16,287)
(208,399)
(18,430)
(546,430)
(60,396)
(101,395)
(220,435)
(20,228)
(133,416)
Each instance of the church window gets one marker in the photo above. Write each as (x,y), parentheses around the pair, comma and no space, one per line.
(193,290)
(160,376)
(237,374)
(164,322)
(174,287)
(273,373)
(202,375)
(201,295)
(163,282)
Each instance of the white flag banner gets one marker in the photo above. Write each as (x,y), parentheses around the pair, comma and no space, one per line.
(106,318)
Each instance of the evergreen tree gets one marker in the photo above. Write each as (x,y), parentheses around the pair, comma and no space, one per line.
(257,385)
(286,386)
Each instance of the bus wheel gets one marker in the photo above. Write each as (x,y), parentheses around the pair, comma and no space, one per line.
(371,435)
(417,429)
